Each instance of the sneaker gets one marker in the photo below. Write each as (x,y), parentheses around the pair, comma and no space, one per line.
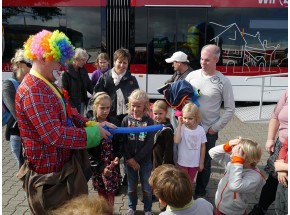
(149,213)
(130,212)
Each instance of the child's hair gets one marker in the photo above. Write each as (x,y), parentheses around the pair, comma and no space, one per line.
(172,185)
(97,98)
(84,204)
(160,104)
(101,56)
(252,150)
(138,95)
(193,110)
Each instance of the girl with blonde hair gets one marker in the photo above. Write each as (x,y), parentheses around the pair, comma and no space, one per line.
(191,139)
(105,157)
(138,150)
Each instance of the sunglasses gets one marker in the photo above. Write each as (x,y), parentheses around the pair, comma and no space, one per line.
(27,64)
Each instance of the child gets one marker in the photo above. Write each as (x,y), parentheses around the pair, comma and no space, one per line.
(191,138)
(105,157)
(138,150)
(84,204)
(173,187)
(163,140)
(241,179)
(103,65)
(281,167)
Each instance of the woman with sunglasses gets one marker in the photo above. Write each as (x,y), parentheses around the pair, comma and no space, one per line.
(20,67)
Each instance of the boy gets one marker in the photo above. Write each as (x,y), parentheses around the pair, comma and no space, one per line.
(241,179)
(173,188)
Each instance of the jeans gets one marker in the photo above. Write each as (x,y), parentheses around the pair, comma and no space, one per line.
(15,144)
(144,172)
(202,178)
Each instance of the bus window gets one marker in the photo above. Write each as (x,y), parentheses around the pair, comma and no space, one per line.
(171,30)
(250,39)
(80,24)
(161,38)
(191,33)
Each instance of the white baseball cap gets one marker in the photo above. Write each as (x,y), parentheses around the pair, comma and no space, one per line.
(177,56)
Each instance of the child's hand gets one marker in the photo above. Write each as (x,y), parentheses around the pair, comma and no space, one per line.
(113,163)
(201,167)
(108,124)
(234,142)
(278,165)
(180,120)
(283,178)
(238,151)
(107,172)
(116,161)
(133,164)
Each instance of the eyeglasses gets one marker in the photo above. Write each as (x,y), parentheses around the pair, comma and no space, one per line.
(26,63)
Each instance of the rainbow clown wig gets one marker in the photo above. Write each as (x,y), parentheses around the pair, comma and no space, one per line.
(49,46)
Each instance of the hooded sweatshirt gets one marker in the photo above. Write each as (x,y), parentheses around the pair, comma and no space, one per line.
(237,185)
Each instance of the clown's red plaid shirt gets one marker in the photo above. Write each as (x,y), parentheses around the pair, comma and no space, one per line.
(46,138)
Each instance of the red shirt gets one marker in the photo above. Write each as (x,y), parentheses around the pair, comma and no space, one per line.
(283,154)
(46,137)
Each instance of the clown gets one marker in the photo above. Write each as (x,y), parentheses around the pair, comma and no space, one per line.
(53,135)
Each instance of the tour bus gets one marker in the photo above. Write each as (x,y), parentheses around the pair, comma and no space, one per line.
(252,36)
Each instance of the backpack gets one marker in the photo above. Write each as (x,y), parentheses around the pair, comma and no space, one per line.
(6,115)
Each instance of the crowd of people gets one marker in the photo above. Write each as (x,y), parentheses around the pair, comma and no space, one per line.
(60,137)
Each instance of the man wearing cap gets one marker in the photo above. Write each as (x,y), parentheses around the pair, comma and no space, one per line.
(215,88)
(180,65)
(182,69)
(54,135)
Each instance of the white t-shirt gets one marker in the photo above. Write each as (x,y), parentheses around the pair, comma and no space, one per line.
(190,146)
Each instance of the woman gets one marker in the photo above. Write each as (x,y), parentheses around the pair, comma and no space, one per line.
(118,83)
(278,123)
(77,81)
(20,67)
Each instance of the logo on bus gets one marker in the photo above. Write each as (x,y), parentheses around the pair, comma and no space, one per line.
(283,3)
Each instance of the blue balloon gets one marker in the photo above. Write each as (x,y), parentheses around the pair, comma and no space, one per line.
(127,130)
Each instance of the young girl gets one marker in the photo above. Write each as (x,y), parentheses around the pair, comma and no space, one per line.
(241,179)
(138,150)
(103,65)
(163,140)
(191,138)
(105,157)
